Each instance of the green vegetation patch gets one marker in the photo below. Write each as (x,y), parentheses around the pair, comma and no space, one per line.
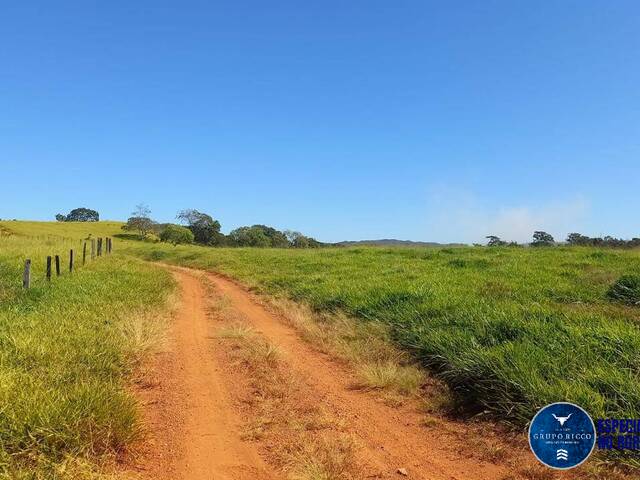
(65,349)
(626,290)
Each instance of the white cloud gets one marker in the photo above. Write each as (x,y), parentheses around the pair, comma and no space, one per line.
(461,216)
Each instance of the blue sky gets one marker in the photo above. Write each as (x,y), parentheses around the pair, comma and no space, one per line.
(443,121)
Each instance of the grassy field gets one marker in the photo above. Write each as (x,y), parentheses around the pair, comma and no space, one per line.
(66,349)
(509,330)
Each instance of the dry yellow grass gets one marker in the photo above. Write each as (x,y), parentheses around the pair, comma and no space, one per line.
(366,347)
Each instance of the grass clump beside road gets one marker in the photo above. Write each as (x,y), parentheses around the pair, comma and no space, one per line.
(65,350)
(509,330)
(365,346)
(626,290)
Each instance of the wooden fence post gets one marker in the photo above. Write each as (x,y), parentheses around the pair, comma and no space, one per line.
(26,276)
(93,248)
(100,246)
(57,265)
(49,268)
(71,260)
(109,245)
(84,253)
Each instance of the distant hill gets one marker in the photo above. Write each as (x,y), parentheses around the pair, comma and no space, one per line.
(392,242)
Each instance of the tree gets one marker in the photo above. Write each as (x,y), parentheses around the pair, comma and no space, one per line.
(79,215)
(301,242)
(578,239)
(205,229)
(260,236)
(495,241)
(542,239)
(142,210)
(249,237)
(140,220)
(176,234)
(142,225)
(298,240)
(277,239)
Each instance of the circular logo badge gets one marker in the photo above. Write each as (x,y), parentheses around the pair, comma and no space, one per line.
(562,435)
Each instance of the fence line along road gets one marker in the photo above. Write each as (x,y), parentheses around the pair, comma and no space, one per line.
(108,248)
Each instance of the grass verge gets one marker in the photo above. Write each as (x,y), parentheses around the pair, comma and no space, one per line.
(66,348)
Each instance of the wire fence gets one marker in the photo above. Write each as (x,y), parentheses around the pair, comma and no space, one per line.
(98,247)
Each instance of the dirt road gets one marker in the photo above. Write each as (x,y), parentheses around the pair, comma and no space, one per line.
(196,429)
(193,428)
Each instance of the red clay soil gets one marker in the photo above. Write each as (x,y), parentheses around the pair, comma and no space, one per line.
(194,429)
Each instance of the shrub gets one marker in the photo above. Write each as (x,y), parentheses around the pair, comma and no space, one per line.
(176,234)
(626,289)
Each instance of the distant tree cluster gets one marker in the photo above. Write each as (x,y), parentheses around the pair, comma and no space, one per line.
(494,241)
(544,239)
(298,240)
(202,228)
(79,215)
(257,236)
(540,239)
(607,241)
(205,229)
(264,236)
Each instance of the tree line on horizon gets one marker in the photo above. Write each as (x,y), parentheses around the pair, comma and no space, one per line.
(202,228)
(544,239)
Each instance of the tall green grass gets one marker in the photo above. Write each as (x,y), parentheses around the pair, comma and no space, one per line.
(509,330)
(66,348)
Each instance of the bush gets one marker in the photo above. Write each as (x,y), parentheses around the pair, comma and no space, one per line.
(626,289)
(176,234)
